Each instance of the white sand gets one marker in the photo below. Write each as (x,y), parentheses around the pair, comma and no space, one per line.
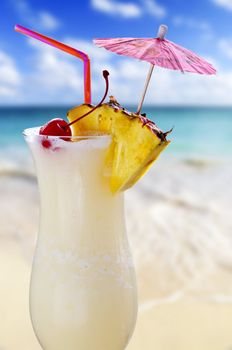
(179,224)
(16,330)
(184,326)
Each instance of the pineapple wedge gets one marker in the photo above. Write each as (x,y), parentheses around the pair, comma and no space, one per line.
(136,141)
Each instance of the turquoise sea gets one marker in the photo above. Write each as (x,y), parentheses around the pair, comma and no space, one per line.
(198,132)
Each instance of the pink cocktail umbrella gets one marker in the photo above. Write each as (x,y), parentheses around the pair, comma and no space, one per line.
(159,52)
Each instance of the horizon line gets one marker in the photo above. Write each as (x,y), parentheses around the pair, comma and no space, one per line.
(52,105)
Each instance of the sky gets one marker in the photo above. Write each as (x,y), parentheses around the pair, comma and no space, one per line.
(32,73)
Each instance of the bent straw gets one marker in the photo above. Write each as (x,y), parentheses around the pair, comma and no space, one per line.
(68,49)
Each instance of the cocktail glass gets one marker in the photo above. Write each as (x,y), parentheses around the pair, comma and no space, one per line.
(83,287)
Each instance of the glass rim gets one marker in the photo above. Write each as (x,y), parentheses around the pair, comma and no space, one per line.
(28,133)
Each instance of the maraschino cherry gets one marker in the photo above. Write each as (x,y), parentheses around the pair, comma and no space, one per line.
(59,127)
(56,127)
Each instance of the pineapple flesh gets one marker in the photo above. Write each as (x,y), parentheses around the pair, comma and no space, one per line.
(136,141)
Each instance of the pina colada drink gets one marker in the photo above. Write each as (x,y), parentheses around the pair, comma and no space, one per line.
(83,289)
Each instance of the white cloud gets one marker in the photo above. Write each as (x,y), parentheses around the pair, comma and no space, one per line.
(154,8)
(225,46)
(188,22)
(42,20)
(123,9)
(47,21)
(57,78)
(227,4)
(54,77)
(169,87)
(10,77)
(201,28)
(129,9)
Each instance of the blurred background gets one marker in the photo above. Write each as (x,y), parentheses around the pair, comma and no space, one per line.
(181,242)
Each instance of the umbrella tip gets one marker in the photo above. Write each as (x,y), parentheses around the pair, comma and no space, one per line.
(162,31)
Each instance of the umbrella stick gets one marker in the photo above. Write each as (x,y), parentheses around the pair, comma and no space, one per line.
(145,88)
(161,34)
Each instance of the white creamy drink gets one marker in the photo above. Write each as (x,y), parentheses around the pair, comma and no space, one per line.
(83,289)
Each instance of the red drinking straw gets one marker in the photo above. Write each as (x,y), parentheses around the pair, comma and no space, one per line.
(68,49)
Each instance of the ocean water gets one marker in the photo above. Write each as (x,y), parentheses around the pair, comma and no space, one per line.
(198,132)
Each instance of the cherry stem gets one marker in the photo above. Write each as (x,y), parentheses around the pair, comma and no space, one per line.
(105,75)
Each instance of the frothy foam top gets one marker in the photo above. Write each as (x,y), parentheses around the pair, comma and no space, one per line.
(97,141)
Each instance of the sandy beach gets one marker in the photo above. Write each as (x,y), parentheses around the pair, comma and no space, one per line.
(179,226)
